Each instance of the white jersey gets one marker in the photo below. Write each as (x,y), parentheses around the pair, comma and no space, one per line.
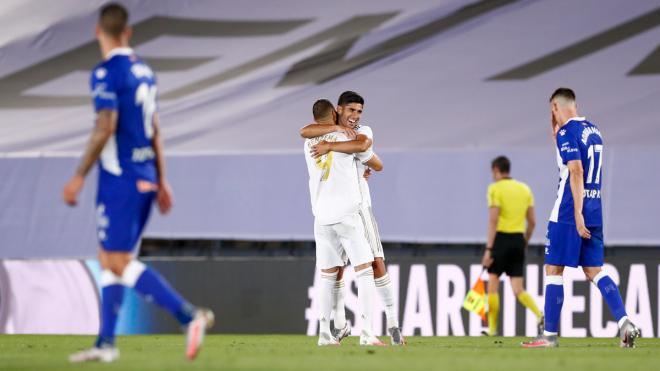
(361,159)
(334,187)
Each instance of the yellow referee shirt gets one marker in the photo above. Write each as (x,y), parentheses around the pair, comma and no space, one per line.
(513,198)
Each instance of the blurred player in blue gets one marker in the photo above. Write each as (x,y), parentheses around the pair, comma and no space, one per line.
(575,230)
(126,142)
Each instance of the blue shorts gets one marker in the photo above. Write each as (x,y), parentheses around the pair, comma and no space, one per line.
(121,213)
(565,247)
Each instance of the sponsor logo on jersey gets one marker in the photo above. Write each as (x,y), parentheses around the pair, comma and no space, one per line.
(143,154)
(100,92)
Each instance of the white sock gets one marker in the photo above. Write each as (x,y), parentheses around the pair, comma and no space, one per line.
(325,292)
(622,321)
(384,288)
(338,304)
(366,286)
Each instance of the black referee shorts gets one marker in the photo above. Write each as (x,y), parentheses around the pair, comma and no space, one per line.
(508,254)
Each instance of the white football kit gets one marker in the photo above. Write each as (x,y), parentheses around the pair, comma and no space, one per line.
(336,197)
(366,213)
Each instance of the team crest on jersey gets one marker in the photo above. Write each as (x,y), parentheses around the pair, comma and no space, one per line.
(101,92)
(562,132)
(101,73)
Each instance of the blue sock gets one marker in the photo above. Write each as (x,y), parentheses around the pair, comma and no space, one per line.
(152,285)
(611,294)
(112,293)
(554,299)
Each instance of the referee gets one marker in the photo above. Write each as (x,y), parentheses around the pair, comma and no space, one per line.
(510,205)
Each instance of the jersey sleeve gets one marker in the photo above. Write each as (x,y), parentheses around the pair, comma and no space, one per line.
(365,156)
(493,197)
(531,197)
(365,130)
(569,148)
(104,90)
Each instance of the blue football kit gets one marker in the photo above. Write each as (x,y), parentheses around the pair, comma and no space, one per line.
(127,186)
(578,140)
(127,168)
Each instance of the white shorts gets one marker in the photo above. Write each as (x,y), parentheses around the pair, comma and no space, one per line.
(371,231)
(336,242)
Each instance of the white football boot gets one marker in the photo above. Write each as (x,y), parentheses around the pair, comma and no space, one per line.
(629,333)
(370,340)
(103,354)
(204,320)
(326,339)
(342,333)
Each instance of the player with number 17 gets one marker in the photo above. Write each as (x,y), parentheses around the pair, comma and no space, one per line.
(575,229)
(126,143)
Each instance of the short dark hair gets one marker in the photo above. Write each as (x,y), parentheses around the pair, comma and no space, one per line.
(564,93)
(502,164)
(348,97)
(113,19)
(322,108)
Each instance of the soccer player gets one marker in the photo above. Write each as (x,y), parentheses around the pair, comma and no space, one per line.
(349,110)
(127,141)
(510,205)
(335,196)
(575,230)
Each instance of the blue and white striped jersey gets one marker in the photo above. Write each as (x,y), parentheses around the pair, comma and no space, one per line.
(579,140)
(126,84)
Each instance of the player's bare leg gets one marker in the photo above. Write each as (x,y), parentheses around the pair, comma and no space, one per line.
(526,300)
(628,332)
(493,289)
(385,290)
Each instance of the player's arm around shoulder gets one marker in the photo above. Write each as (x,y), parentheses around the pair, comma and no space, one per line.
(360,144)
(314,130)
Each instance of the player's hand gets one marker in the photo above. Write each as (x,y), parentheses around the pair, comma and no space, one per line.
(367,173)
(350,133)
(581,228)
(72,188)
(164,197)
(554,124)
(320,149)
(487,259)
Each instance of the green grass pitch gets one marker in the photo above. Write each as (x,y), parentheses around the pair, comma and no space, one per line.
(292,352)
